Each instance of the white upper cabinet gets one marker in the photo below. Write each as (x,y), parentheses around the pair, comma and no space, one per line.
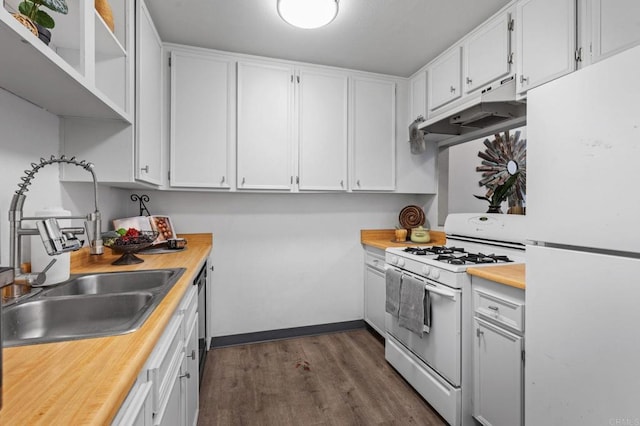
(265,122)
(445,75)
(372,128)
(545,33)
(488,53)
(202,118)
(148,99)
(85,71)
(615,26)
(322,129)
(418,96)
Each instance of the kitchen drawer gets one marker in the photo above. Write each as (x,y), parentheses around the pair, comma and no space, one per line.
(374,258)
(136,409)
(189,307)
(499,309)
(164,363)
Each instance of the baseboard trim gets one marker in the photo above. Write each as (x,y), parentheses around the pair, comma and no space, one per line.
(287,333)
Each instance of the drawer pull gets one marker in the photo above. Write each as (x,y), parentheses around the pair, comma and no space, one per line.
(493,308)
(186,375)
(193,354)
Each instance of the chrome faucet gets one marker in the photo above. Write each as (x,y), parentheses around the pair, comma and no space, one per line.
(55,239)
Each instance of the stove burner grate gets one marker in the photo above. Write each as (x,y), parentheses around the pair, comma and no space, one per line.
(472,258)
(424,251)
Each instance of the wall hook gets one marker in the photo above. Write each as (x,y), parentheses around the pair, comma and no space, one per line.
(142,199)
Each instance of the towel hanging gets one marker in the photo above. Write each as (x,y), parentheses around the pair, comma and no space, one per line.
(416,137)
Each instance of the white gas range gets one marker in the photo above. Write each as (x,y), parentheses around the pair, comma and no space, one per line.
(437,361)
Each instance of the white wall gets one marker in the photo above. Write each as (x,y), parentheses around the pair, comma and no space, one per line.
(27,134)
(463,178)
(282,260)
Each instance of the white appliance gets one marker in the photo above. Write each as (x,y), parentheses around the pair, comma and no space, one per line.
(438,363)
(583,266)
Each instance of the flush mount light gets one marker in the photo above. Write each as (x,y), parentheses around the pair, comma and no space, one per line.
(308,14)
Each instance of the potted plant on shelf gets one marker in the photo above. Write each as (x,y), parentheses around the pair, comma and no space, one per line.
(32,16)
(500,194)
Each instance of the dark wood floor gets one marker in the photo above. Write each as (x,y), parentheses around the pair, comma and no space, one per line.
(332,379)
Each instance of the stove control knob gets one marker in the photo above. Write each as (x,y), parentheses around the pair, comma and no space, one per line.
(435,273)
(401,262)
(394,260)
(426,271)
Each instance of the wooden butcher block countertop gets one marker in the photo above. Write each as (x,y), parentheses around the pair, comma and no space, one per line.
(85,381)
(511,275)
(383,238)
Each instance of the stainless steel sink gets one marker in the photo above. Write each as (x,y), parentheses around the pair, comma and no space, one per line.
(114,282)
(92,305)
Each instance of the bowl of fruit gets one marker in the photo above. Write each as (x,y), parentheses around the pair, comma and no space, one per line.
(128,242)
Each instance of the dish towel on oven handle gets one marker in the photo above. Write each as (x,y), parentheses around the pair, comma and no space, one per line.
(413,300)
(393,280)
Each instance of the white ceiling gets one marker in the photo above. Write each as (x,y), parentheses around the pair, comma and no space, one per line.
(387,36)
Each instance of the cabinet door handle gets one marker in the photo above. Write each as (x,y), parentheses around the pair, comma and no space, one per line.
(185,375)
(242,181)
(358,183)
(222,180)
(145,169)
(193,354)
(342,184)
(479,332)
(523,79)
(452,89)
(469,81)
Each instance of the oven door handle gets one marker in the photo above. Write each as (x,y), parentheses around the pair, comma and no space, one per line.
(436,290)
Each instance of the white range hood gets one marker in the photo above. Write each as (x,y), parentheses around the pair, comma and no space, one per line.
(494,110)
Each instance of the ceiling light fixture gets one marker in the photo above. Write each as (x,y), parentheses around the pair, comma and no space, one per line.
(308,14)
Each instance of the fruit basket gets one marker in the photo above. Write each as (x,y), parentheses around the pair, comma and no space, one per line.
(129,243)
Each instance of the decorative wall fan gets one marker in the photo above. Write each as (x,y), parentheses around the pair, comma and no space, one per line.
(505,156)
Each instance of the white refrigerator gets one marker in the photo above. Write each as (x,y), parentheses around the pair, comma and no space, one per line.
(582,339)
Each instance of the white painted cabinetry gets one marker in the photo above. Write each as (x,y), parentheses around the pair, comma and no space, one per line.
(119,149)
(374,288)
(445,78)
(322,129)
(546,41)
(498,353)
(202,118)
(292,127)
(86,70)
(418,96)
(372,132)
(166,391)
(149,99)
(487,52)
(265,125)
(614,27)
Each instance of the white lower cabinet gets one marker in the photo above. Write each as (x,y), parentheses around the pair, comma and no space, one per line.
(498,354)
(374,289)
(136,409)
(190,377)
(166,391)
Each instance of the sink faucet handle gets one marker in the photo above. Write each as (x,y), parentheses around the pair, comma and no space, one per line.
(40,277)
(54,240)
